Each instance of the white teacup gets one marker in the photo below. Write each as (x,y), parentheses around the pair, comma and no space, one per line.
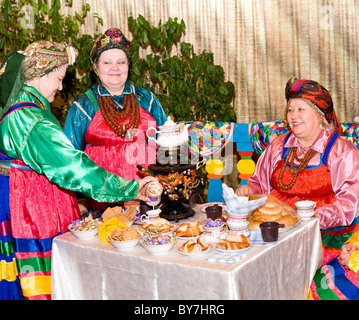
(150,215)
(305,209)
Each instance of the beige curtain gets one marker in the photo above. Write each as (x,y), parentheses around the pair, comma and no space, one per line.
(260,44)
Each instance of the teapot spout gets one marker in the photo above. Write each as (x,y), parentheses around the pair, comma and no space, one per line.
(184,134)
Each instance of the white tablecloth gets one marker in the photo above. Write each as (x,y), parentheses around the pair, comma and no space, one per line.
(91,269)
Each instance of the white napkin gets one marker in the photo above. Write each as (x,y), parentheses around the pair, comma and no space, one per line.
(240,206)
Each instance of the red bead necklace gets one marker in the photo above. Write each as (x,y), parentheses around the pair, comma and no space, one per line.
(292,154)
(114,115)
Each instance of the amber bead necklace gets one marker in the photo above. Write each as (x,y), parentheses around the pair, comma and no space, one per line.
(114,115)
(292,154)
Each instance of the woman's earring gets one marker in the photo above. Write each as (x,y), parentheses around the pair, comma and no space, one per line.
(321,122)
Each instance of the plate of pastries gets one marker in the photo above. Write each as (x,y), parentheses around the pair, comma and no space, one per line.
(158,225)
(189,230)
(272,210)
(233,243)
(195,247)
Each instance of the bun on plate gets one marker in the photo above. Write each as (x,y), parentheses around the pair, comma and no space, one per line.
(272,210)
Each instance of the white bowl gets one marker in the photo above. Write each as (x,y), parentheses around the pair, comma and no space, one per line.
(130,223)
(158,249)
(124,245)
(85,234)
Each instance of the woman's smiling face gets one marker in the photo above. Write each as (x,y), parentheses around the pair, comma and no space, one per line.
(112,69)
(303,121)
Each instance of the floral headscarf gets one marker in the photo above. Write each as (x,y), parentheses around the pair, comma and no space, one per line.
(37,60)
(42,57)
(317,95)
(112,39)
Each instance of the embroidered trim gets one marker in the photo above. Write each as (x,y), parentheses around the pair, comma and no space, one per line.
(82,109)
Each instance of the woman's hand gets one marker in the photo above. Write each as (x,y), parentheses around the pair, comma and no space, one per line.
(244,191)
(141,193)
(347,250)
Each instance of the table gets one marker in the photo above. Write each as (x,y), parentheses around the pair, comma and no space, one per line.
(91,269)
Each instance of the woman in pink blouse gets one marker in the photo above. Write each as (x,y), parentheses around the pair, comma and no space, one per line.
(313,161)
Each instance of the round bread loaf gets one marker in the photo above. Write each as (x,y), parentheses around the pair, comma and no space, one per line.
(272,208)
(257,215)
(288,220)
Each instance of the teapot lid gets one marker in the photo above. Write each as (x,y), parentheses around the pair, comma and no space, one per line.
(170,125)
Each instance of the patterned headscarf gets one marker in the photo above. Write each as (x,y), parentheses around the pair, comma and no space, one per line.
(317,96)
(43,57)
(37,60)
(112,39)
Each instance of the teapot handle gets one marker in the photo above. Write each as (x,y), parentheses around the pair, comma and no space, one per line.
(151,138)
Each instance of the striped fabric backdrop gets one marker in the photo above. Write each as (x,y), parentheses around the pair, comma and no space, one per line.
(260,44)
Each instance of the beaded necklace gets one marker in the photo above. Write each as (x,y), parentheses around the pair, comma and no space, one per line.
(292,154)
(114,115)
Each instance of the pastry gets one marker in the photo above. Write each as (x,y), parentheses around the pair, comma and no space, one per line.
(288,220)
(258,215)
(181,230)
(236,238)
(189,229)
(204,245)
(272,210)
(192,230)
(194,246)
(233,242)
(226,244)
(157,225)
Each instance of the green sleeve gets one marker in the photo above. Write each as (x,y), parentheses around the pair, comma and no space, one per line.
(35,137)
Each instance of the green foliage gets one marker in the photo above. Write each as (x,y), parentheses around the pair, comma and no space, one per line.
(26,21)
(189,86)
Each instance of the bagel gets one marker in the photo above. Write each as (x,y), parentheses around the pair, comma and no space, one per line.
(271,203)
(272,208)
(257,215)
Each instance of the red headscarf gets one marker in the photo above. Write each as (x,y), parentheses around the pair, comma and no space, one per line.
(315,93)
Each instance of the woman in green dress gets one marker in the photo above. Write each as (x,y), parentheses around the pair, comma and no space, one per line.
(40,170)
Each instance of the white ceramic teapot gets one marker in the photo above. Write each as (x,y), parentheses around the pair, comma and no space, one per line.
(170,134)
